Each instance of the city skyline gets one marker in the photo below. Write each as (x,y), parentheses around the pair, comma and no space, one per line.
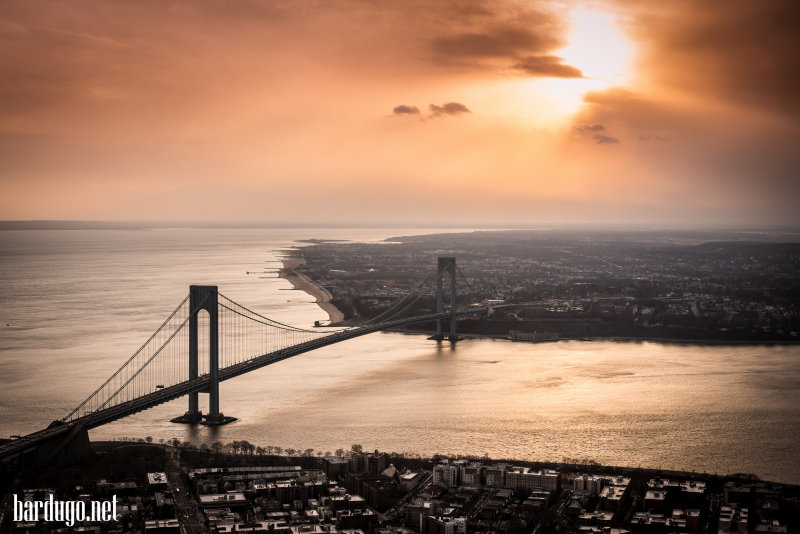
(482,113)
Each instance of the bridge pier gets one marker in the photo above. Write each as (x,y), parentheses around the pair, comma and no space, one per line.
(446,265)
(204,298)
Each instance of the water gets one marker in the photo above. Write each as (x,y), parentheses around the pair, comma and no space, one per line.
(75,304)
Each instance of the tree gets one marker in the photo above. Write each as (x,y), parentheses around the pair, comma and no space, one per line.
(149,439)
(217,447)
(357,448)
(308,452)
(261,451)
(339,452)
(278,450)
(290,452)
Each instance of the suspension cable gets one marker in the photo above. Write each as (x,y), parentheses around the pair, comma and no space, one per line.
(268,321)
(122,367)
(401,301)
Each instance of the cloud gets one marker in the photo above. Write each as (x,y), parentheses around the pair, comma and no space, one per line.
(503,36)
(647,138)
(548,66)
(590,127)
(742,54)
(451,108)
(604,139)
(403,109)
(500,41)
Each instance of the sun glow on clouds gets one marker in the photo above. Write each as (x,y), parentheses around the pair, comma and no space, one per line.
(597,47)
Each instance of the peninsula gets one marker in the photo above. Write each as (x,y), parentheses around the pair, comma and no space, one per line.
(691,286)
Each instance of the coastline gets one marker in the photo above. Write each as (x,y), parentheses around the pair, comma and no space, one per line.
(302,283)
(616,339)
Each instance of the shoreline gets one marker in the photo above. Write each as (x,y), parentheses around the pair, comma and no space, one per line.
(614,339)
(302,283)
(565,465)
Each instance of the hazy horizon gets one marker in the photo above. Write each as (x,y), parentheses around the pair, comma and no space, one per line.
(144,224)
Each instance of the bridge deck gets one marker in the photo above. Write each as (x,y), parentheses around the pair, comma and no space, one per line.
(12,449)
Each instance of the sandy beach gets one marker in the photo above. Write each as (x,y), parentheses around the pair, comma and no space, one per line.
(303,283)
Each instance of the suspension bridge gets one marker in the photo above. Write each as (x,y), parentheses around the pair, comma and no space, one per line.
(209,338)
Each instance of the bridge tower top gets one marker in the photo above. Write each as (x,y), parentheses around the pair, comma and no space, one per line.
(203,298)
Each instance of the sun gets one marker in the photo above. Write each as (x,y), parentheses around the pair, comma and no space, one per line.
(598,47)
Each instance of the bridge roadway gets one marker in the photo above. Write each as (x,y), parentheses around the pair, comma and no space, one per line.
(18,446)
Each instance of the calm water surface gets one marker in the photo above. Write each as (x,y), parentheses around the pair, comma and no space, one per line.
(75,304)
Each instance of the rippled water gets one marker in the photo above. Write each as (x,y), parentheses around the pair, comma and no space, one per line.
(75,304)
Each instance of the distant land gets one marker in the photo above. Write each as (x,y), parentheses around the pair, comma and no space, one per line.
(696,286)
(791,233)
(47,224)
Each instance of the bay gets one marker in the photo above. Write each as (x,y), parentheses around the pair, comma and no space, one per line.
(74,304)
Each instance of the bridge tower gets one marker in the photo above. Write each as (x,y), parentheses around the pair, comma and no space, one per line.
(446,265)
(204,298)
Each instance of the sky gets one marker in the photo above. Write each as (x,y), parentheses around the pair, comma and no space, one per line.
(678,113)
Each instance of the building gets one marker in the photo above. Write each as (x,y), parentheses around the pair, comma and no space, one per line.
(446,475)
(409,479)
(166,526)
(471,473)
(614,498)
(223,500)
(525,478)
(334,466)
(495,475)
(377,462)
(157,481)
(589,484)
(442,525)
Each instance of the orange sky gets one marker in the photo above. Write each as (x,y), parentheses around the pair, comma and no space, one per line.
(425,112)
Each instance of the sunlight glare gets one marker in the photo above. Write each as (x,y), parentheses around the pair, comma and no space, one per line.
(596,46)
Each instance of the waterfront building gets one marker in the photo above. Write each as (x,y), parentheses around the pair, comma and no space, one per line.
(471,473)
(526,478)
(446,475)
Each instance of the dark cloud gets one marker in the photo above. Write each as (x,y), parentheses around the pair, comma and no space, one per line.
(604,139)
(504,35)
(548,66)
(742,53)
(500,41)
(451,108)
(590,127)
(647,138)
(403,109)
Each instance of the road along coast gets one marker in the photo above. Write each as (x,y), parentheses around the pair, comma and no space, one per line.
(303,283)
